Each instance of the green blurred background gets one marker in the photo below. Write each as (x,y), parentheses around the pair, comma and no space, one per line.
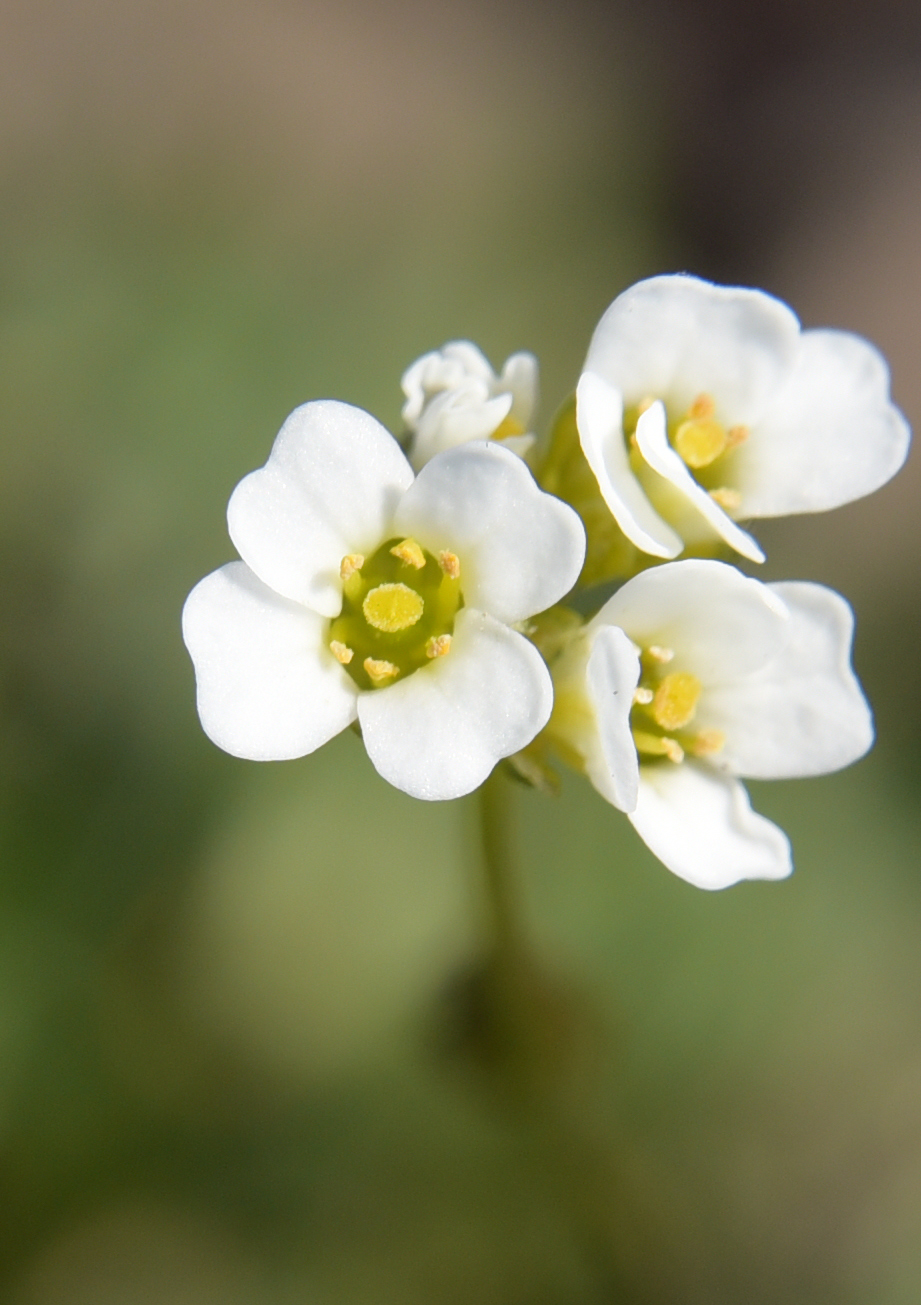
(227,1067)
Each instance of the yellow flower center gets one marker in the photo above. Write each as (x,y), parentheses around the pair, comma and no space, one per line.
(701,440)
(393,607)
(398,612)
(675,700)
(664,705)
(508,427)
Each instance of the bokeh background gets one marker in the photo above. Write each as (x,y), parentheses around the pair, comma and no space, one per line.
(227,1072)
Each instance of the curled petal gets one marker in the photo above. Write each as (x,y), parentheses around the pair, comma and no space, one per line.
(701,826)
(612,675)
(438,733)
(268,689)
(464,355)
(804,712)
(456,417)
(599,416)
(831,436)
(520,378)
(675,337)
(521,550)
(455,364)
(720,624)
(652,439)
(329,488)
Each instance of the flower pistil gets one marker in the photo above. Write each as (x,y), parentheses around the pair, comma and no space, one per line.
(398,612)
(664,705)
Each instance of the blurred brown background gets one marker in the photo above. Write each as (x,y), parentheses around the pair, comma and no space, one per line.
(224,1068)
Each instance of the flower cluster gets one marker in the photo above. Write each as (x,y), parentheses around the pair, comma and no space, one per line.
(418,594)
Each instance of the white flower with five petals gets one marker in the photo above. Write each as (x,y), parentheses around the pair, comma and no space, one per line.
(454,396)
(367,593)
(701,405)
(693,674)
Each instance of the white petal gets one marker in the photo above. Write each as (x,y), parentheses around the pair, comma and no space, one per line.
(520,377)
(652,439)
(330,487)
(520,549)
(413,386)
(443,369)
(831,436)
(457,417)
(599,416)
(719,623)
(701,826)
(675,337)
(520,445)
(612,674)
(438,733)
(804,712)
(268,689)
(470,358)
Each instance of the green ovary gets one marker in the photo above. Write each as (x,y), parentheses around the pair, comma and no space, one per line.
(398,612)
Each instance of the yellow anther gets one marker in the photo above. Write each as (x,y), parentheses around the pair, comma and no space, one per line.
(675,700)
(644,405)
(449,563)
(392,607)
(351,563)
(409,552)
(654,745)
(730,500)
(735,436)
(438,645)
(643,696)
(380,672)
(508,427)
(702,407)
(700,441)
(341,651)
(673,750)
(707,743)
(656,653)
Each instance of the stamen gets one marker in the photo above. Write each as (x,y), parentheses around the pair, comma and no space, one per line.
(707,743)
(644,405)
(735,436)
(673,750)
(659,654)
(730,500)
(351,563)
(655,745)
(438,645)
(449,563)
(675,700)
(392,607)
(643,697)
(341,651)
(380,672)
(702,407)
(410,553)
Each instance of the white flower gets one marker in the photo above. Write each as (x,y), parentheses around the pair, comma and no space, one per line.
(700,405)
(693,674)
(367,593)
(454,396)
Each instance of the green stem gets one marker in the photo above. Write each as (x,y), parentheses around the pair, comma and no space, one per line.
(497,820)
(529,1034)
